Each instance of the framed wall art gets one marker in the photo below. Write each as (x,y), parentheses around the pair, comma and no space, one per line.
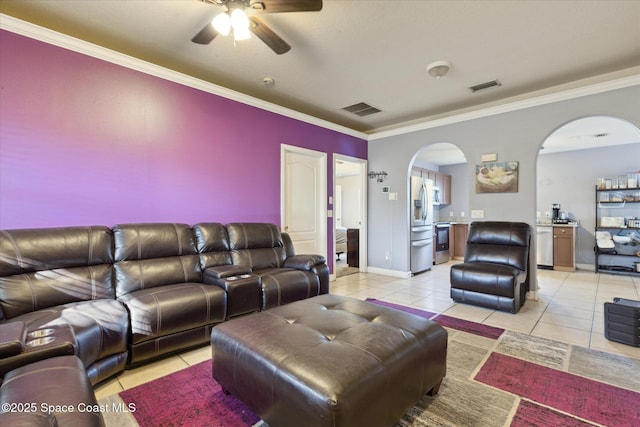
(497,177)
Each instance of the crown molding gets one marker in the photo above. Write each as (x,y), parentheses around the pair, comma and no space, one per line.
(55,38)
(591,86)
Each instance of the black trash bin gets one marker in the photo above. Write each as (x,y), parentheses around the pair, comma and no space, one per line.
(622,321)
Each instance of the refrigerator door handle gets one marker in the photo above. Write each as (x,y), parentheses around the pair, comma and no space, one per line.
(421,243)
(425,202)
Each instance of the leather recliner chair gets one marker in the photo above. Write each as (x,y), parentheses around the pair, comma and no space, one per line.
(495,271)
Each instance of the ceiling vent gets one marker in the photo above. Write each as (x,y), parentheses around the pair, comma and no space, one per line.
(362,109)
(485,86)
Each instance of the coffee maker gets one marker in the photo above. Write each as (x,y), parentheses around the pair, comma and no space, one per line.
(556,212)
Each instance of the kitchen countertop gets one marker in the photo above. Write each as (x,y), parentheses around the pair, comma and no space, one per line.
(573,224)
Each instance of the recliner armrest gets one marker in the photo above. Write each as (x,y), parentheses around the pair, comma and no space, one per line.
(223,271)
(304,262)
(12,341)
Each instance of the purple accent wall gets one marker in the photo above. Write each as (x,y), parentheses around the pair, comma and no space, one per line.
(84,141)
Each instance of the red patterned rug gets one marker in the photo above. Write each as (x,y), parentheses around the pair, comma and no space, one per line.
(585,398)
(189,397)
(494,378)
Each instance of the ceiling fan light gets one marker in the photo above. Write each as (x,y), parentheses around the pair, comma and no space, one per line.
(241,34)
(222,24)
(239,20)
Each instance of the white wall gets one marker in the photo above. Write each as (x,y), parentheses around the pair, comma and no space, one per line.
(514,136)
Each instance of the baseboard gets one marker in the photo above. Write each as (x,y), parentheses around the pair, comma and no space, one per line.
(387,272)
(588,267)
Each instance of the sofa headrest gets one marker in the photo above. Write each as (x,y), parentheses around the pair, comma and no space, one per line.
(499,233)
(152,240)
(30,250)
(210,237)
(251,235)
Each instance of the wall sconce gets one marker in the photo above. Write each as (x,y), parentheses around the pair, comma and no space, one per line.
(379,176)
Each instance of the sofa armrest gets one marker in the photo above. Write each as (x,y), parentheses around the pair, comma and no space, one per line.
(58,340)
(210,274)
(11,338)
(304,262)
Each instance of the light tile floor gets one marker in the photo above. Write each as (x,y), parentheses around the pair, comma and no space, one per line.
(569,308)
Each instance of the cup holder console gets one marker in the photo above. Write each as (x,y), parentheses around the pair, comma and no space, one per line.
(40,333)
(40,341)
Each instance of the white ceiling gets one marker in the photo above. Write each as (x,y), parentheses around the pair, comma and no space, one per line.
(371,51)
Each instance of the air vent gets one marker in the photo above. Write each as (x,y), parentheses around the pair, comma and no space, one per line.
(362,109)
(600,135)
(485,86)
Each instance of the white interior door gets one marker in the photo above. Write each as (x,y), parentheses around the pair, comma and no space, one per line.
(337,205)
(351,204)
(304,215)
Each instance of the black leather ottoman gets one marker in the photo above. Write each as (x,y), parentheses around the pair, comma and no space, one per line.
(329,361)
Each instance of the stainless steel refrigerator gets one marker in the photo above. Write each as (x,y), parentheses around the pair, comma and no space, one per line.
(421,224)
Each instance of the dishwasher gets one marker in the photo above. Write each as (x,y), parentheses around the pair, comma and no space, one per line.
(544,247)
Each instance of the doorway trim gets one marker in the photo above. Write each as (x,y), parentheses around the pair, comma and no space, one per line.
(321,189)
(362,244)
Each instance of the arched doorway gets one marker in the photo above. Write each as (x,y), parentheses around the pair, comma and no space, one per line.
(444,166)
(570,161)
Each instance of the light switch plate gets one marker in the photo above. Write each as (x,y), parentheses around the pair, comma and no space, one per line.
(393,196)
(477,213)
(489,157)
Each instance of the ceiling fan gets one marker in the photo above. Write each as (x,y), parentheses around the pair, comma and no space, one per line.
(235,20)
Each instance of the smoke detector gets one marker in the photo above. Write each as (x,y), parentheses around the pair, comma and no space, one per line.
(438,69)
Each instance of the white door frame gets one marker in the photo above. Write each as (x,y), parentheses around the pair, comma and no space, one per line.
(322,190)
(362,250)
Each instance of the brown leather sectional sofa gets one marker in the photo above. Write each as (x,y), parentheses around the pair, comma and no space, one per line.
(118,297)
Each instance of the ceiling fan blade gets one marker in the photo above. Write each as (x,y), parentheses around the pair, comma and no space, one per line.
(206,35)
(274,6)
(267,35)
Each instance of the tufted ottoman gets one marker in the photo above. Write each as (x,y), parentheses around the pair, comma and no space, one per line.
(329,361)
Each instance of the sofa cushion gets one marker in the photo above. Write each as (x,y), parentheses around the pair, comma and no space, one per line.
(42,268)
(493,279)
(256,245)
(131,276)
(151,255)
(169,309)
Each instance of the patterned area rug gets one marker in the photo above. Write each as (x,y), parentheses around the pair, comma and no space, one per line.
(494,378)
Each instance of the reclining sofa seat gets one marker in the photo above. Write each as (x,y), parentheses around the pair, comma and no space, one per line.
(63,276)
(159,279)
(495,271)
(285,277)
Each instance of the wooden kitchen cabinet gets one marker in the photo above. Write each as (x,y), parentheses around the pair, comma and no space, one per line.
(440,180)
(458,240)
(564,254)
(445,190)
